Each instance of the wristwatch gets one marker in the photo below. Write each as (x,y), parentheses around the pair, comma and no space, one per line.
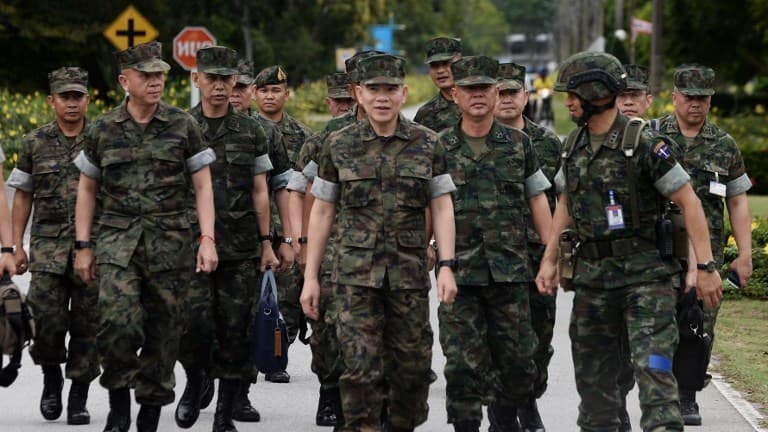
(452,263)
(288,240)
(265,237)
(709,266)
(433,244)
(303,240)
(83,244)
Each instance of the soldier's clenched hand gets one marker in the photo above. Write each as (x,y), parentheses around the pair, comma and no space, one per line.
(207,258)
(85,265)
(310,298)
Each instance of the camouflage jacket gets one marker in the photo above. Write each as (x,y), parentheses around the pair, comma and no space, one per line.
(382,187)
(145,184)
(342,121)
(295,133)
(713,157)
(491,192)
(547,146)
(438,114)
(281,172)
(589,177)
(241,154)
(45,170)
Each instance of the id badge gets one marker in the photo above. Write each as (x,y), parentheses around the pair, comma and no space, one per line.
(615,216)
(717,188)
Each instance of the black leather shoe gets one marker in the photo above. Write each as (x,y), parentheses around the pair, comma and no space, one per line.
(50,401)
(278,377)
(77,414)
(188,409)
(530,420)
(326,411)
(243,411)
(148,418)
(689,409)
(119,417)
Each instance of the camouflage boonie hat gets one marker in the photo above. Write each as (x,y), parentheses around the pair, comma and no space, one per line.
(338,85)
(591,75)
(637,77)
(217,60)
(474,70)
(145,58)
(68,79)
(442,49)
(245,72)
(350,64)
(271,75)
(381,69)
(511,76)
(695,80)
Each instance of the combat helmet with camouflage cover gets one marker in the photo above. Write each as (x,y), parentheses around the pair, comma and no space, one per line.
(592,76)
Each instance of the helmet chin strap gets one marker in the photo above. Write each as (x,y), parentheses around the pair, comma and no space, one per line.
(591,109)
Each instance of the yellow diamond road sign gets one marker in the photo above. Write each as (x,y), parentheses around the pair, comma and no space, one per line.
(130,29)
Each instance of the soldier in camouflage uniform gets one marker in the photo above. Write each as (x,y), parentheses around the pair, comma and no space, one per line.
(717,171)
(440,112)
(633,101)
(611,197)
(383,171)
(339,98)
(513,97)
(486,333)
(271,95)
(46,176)
(242,213)
(142,159)
(636,98)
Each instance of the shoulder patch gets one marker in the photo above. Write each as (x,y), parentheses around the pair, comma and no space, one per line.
(662,151)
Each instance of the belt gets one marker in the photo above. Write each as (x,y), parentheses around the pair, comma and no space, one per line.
(614,248)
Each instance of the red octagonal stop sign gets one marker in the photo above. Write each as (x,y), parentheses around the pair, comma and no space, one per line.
(187,42)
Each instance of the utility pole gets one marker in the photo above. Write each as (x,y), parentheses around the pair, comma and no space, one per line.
(657,61)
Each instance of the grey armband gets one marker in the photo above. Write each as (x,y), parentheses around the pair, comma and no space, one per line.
(21,180)
(200,160)
(87,167)
(325,190)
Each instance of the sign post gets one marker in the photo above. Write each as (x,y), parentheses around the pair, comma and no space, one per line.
(185,46)
(130,28)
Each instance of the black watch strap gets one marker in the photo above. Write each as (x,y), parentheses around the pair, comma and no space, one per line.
(265,237)
(83,244)
(303,240)
(10,250)
(709,266)
(453,263)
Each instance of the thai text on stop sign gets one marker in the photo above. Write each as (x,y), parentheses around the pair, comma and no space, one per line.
(189,48)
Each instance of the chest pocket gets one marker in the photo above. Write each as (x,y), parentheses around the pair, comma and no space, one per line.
(116,164)
(240,162)
(413,178)
(510,182)
(168,164)
(359,184)
(47,176)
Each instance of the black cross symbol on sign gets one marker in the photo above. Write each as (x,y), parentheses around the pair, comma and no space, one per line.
(130,32)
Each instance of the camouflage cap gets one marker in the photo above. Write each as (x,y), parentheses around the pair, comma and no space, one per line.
(695,80)
(68,79)
(350,64)
(637,77)
(338,85)
(474,70)
(381,69)
(217,60)
(245,72)
(442,49)
(511,76)
(271,75)
(146,57)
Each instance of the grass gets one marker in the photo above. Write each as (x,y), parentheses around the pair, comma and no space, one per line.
(740,348)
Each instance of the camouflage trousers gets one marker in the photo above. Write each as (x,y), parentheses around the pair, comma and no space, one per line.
(374,327)
(488,342)
(647,312)
(141,310)
(326,360)
(289,286)
(543,312)
(61,304)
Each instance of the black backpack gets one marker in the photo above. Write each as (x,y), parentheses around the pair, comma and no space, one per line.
(17,328)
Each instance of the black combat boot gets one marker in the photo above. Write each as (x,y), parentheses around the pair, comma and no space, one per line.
(188,408)
(278,377)
(530,420)
(148,418)
(326,412)
(388,427)
(208,390)
(50,401)
(467,426)
(222,420)
(503,418)
(243,410)
(77,414)
(119,417)
(689,409)
(626,425)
